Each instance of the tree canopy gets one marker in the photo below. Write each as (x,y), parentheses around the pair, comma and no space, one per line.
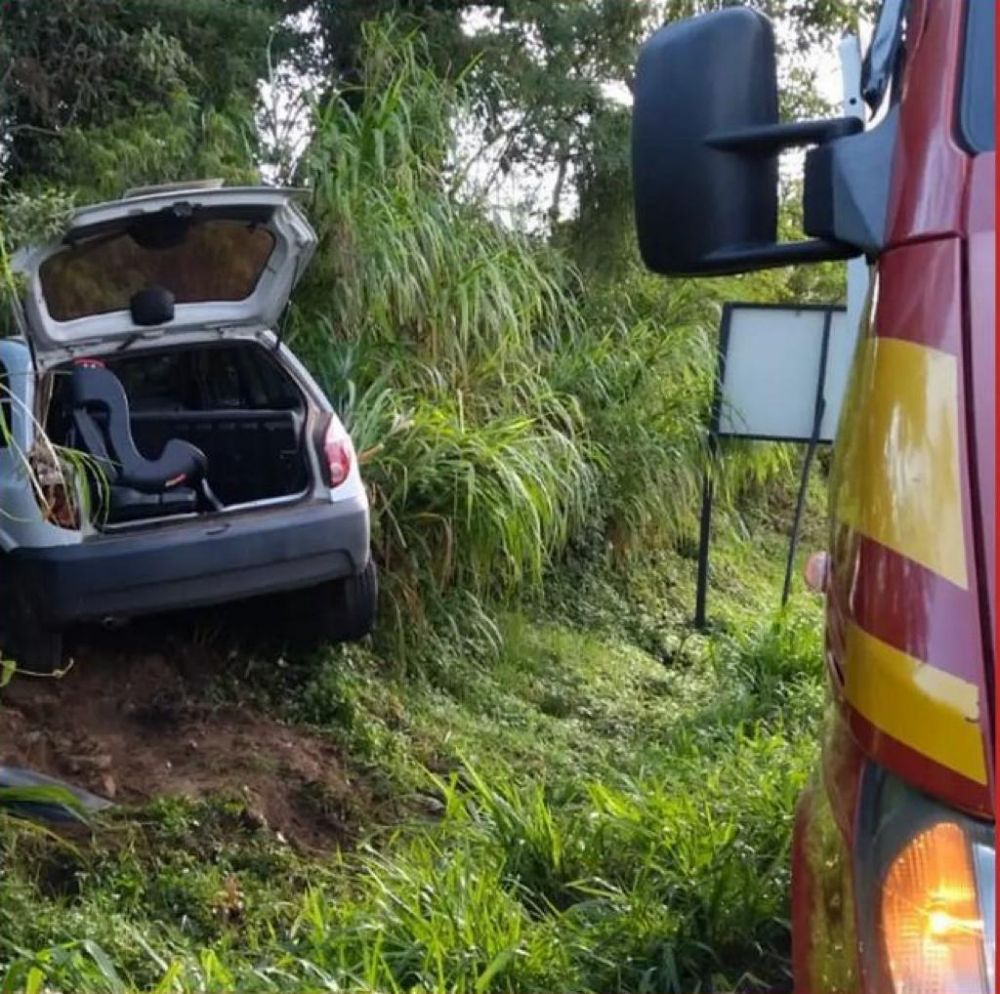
(97,94)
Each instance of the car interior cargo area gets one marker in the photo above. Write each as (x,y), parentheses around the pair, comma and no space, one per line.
(181,430)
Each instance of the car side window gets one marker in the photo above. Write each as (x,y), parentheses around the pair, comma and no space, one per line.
(158,382)
(267,385)
(219,382)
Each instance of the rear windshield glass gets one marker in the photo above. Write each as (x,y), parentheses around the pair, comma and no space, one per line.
(217,260)
(978,99)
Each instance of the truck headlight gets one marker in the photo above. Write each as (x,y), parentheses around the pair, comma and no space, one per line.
(926,874)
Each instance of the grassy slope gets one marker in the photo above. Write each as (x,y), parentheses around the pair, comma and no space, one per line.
(610,809)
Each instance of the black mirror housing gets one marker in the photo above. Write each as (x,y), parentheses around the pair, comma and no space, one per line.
(705,144)
(699,77)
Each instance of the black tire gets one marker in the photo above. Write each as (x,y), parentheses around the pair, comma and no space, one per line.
(25,638)
(40,651)
(341,610)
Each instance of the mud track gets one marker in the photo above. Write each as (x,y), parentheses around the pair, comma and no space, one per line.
(136,718)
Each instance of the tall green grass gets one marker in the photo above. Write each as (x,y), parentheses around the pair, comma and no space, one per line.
(502,408)
(669,874)
(432,327)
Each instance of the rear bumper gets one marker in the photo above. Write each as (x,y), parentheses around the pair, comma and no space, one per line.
(195,564)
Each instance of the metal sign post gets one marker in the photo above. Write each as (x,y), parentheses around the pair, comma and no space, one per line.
(782,377)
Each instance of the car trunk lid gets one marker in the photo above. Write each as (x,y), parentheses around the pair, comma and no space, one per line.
(230,257)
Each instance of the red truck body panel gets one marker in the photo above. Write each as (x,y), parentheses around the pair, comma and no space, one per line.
(910,616)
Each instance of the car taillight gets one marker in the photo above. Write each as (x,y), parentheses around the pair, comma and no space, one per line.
(927,883)
(337,453)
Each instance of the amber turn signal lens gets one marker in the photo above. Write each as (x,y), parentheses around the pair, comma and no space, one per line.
(931,923)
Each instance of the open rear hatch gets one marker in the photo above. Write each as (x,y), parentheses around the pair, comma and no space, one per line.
(164,263)
(143,319)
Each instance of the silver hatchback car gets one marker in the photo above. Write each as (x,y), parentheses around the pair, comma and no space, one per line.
(160,447)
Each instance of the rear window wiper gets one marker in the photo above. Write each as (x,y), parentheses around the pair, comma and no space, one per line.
(136,336)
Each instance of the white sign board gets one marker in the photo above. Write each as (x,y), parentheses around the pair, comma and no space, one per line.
(771,364)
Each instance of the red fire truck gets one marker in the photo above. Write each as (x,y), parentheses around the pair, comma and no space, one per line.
(893,883)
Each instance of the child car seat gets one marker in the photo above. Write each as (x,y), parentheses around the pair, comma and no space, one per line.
(101,420)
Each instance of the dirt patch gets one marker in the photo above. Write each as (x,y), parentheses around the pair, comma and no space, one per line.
(134,725)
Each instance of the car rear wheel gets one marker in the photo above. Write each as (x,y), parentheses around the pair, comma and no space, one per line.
(340,610)
(25,639)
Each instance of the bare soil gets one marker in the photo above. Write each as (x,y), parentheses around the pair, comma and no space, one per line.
(134,720)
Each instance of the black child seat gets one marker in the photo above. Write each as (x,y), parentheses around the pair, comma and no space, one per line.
(175,483)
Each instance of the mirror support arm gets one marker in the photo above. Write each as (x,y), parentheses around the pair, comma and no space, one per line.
(745,259)
(768,139)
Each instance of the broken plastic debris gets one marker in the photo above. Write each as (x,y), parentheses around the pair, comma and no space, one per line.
(42,798)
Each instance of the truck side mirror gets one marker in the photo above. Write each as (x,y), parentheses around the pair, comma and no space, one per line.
(705,144)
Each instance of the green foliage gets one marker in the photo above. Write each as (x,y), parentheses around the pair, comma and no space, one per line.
(500,409)
(605,820)
(664,876)
(174,141)
(31,218)
(548,76)
(402,258)
(50,797)
(616,821)
(8,283)
(503,406)
(96,96)
(615,792)
(432,328)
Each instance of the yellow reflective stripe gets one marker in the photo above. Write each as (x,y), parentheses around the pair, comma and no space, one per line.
(933,712)
(899,477)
